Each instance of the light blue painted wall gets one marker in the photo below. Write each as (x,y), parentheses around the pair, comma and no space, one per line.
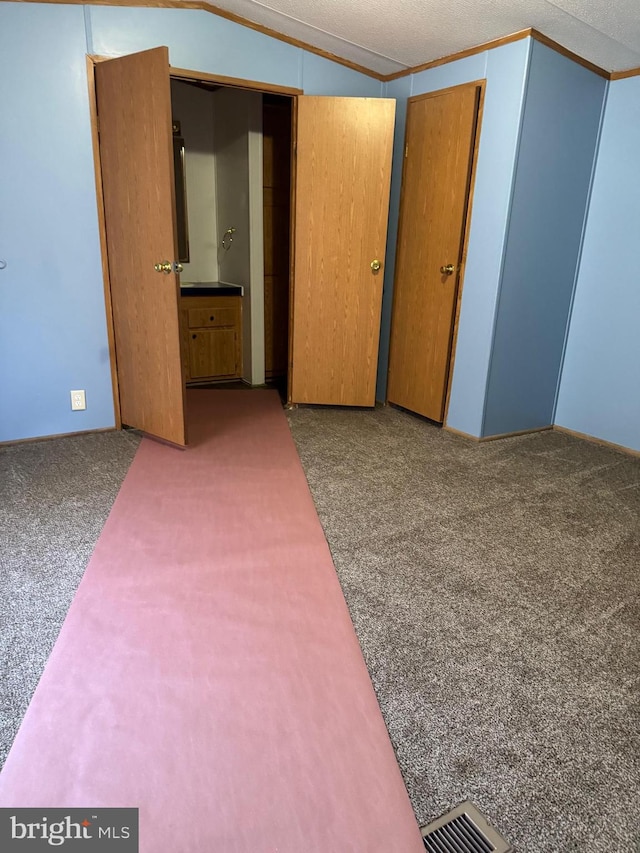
(322,77)
(451,74)
(600,386)
(204,42)
(52,315)
(505,70)
(197,40)
(558,142)
(52,318)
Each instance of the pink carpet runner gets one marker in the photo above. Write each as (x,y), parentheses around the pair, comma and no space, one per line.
(208,672)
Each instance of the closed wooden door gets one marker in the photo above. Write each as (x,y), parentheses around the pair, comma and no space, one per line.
(136,153)
(439,156)
(343,171)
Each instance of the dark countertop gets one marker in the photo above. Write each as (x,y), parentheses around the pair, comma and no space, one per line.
(210,288)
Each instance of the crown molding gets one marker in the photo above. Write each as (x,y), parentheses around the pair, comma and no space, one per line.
(221,13)
(490,45)
(354,66)
(622,75)
(554,45)
(461,54)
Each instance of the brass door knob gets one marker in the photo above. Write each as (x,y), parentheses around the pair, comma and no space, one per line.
(166,267)
(177,266)
(375,265)
(447,270)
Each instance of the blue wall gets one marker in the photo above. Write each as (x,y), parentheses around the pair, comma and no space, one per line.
(505,70)
(600,386)
(322,77)
(204,42)
(52,314)
(559,134)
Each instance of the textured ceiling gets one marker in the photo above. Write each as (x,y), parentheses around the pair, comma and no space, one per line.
(390,35)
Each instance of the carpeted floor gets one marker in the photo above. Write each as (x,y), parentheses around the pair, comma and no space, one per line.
(208,672)
(55,497)
(494,589)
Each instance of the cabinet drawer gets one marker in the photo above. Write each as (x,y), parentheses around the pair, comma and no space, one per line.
(210,318)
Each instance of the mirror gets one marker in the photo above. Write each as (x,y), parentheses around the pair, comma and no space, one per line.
(179,171)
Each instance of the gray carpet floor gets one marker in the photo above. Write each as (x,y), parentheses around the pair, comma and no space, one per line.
(54,499)
(494,590)
(493,587)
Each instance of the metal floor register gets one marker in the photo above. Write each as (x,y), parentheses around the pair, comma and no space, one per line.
(463,830)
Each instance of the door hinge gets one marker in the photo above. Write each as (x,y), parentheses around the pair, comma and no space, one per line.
(406,150)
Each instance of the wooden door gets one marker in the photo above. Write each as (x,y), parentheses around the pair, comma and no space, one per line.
(439,156)
(136,154)
(343,172)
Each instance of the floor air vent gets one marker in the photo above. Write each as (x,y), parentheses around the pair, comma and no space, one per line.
(463,830)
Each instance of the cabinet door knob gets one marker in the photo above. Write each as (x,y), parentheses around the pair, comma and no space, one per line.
(194,337)
(211,319)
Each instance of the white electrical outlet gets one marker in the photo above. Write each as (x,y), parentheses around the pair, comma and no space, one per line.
(78,401)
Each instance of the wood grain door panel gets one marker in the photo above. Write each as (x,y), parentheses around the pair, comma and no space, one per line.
(134,110)
(440,138)
(343,172)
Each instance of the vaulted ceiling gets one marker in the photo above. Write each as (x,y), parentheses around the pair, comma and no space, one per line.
(388,36)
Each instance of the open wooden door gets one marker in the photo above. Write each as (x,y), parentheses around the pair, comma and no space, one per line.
(134,114)
(343,174)
(436,185)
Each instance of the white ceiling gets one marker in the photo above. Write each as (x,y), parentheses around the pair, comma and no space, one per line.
(390,35)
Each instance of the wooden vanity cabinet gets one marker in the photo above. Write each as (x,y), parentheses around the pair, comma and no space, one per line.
(212,336)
